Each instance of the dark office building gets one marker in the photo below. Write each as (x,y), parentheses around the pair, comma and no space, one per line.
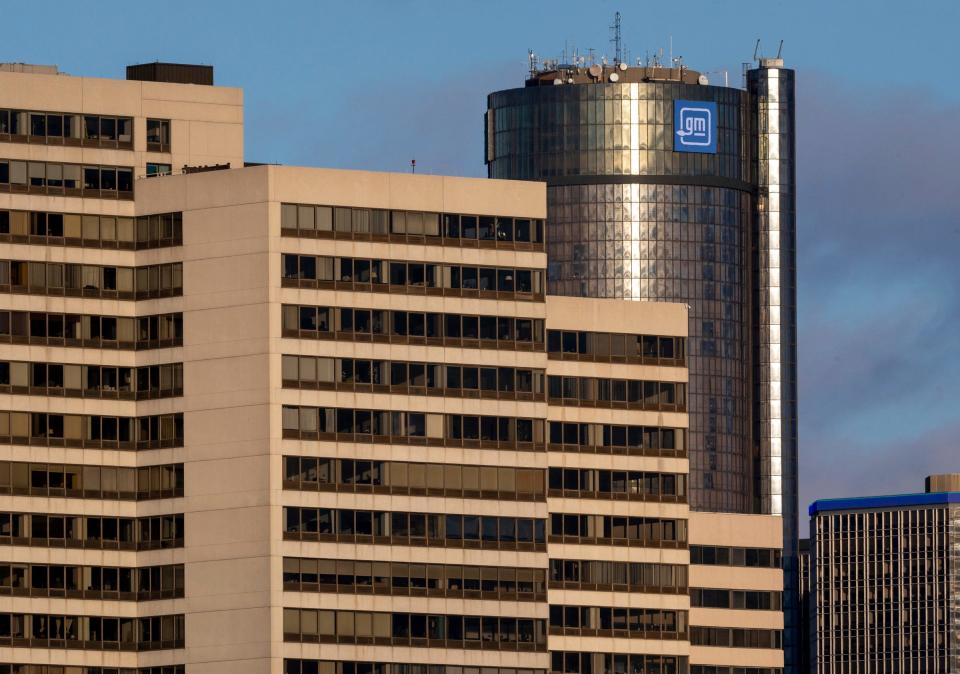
(884,584)
(664,188)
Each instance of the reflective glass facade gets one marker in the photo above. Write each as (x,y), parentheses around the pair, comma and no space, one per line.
(672,243)
(774,320)
(628,217)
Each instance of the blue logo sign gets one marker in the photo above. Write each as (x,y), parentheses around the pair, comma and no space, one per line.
(695,126)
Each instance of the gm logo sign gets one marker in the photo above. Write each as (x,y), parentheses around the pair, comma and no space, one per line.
(695,126)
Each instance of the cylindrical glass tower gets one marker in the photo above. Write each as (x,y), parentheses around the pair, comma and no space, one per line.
(631,218)
(663,188)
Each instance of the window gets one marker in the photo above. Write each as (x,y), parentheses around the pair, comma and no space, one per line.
(414,629)
(403,528)
(101,482)
(72,430)
(398,477)
(154,170)
(145,332)
(424,227)
(617,530)
(379,324)
(607,347)
(158,135)
(67,128)
(55,278)
(55,178)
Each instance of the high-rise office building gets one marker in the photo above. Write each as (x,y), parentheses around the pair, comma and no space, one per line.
(664,188)
(884,582)
(300,421)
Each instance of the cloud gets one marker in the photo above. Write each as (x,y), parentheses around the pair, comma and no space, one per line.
(879,287)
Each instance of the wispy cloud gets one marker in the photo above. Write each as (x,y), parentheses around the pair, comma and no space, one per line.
(879,286)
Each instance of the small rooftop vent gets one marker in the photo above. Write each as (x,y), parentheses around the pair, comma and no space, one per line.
(178,73)
(943,482)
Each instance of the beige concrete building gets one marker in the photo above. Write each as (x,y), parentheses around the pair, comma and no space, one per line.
(272,419)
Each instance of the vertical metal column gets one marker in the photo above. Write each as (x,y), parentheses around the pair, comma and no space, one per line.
(775,332)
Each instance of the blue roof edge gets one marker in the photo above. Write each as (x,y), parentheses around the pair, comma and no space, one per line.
(878,502)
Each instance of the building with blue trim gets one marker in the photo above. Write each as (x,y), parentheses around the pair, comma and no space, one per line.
(884,585)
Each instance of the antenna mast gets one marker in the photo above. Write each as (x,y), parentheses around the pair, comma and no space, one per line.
(617,43)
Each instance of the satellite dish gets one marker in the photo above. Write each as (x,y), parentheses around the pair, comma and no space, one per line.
(557,81)
(622,66)
(703,80)
(614,77)
(595,70)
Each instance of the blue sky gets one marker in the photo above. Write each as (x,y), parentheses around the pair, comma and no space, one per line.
(374,84)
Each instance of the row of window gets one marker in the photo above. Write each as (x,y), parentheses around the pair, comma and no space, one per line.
(123,583)
(350,374)
(413,226)
(71,128)
(753,600)
(434,580)
(333,423)
(712,555)
(93,532)
(573,662)
(521,334)
(608,347)
(415,479)
(34,630)
(90,280)
(617,530)
(577,574)
(72,180)
(19,668)
(414,629)
(405,528)
(91,331)
(91,431)
(347,273)
(736,637)
(92,231)
(633,485)
(291,666)
(725,669)
(471,530)
(92,381)
(635,623)
(337,423)
(84,481)
(616,439)
(663,396)
(348,576)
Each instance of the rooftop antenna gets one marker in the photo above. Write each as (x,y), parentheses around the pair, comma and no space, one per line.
(617,43)
(532,62)
(671,49)
(413,166)
(590,53)
(756,50)
(780,49)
